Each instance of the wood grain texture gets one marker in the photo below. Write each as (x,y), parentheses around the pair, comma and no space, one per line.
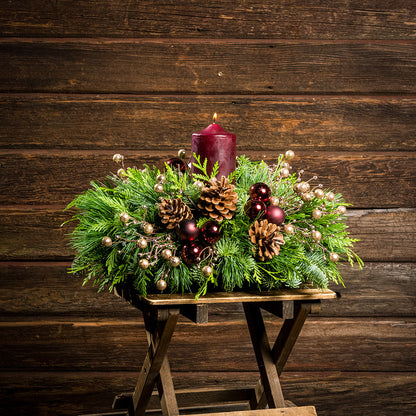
(80,81)
(152,365)
(204,67)
(288,411)
(372,236)
(333,393)
(43,177)
(192,397)
(261,123)
(41,237)
(78,345)
(45,289)
(237,297)
(339,19)
(269,377)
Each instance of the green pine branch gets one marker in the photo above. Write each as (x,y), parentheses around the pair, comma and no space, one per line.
(300,260)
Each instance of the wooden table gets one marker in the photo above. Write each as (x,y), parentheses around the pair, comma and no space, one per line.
(161,314)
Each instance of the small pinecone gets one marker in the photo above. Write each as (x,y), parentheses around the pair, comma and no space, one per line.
(173,211)
(266,237)
(218,199)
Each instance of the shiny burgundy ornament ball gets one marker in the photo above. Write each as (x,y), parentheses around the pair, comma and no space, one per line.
(275,215)
(176,163)
(260,191)
(254,207)
(191,253)
(210,232)
(188,230)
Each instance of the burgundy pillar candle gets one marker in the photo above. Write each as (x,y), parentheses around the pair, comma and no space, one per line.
(214,144)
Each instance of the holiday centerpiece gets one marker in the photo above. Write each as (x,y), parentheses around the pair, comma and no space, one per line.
(215,223)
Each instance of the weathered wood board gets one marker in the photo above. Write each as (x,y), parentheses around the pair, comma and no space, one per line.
(206,67)
(339,19)
(45,288)
(70,393)
(262,123)
(80,81)
(42,236)
(77,345)
(41,176)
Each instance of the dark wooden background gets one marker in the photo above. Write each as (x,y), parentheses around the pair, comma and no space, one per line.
(81,80)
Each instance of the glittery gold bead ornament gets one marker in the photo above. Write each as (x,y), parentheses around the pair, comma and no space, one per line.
(334,257)
(107,242)
(274,200)
(342,209)
(144,264)
(290,154)
(199,184)
(316,235)
(174,261)
(158,188)
(148,228)
(319,193)
(207,270)
(289,229)
(284,173)
(121,173)
(166,254)
(118,158)
(296,187)
(307,196)
(142,243)
(316,214)
(304,187)
(161,178)
(182,153)
(161,284)
(124,217)
(330,196)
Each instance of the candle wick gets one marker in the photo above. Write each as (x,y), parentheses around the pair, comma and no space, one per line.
(214,118)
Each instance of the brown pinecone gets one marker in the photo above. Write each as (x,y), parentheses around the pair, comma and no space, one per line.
(266,237)
(173,211)
(218,199)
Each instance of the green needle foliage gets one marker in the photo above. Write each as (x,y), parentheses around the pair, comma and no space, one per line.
(301,260)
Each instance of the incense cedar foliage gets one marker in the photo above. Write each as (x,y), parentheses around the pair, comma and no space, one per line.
(241,259)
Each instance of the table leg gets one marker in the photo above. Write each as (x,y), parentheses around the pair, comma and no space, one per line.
(268,372)
(164,382)
(289,334)
(283,346)
(161,329)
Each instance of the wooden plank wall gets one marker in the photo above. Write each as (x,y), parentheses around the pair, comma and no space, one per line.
(81,80)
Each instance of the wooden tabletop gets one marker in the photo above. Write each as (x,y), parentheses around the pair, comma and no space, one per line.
(234,297)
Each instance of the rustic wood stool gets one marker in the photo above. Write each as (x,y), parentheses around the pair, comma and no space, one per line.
(161,314)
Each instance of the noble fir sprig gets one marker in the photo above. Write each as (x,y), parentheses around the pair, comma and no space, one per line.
(262,228)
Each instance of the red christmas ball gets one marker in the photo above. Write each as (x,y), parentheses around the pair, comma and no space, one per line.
(191,253)
(210,232)
(188,230)
(260,191)
(176,163)
(275,215)
(254,207)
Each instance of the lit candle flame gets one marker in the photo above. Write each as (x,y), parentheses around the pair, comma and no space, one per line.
(214,118)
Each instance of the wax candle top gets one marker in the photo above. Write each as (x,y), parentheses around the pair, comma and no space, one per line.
(213,129)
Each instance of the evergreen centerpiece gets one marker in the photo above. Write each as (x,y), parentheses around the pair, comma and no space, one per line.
(259,228)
